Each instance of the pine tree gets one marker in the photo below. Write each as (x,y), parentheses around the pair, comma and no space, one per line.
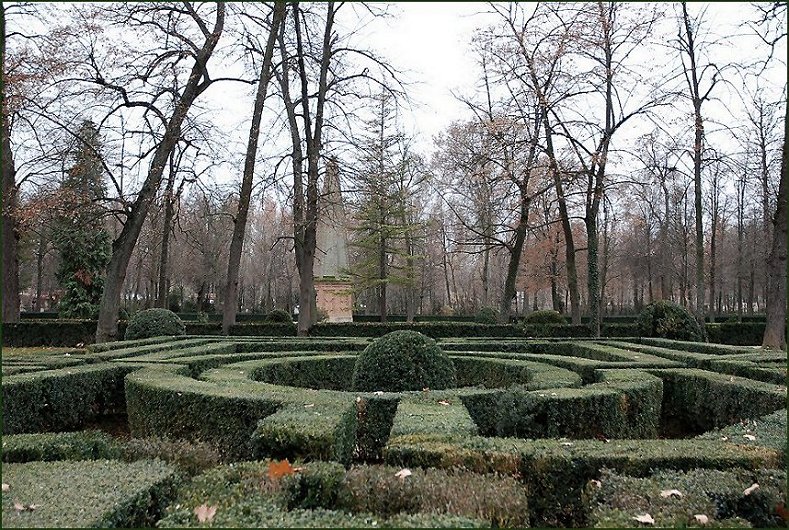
(78,232)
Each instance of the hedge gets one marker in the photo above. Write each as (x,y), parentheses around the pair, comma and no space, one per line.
(326,495)
(559,469)
(615,499)
(80,445)
(766,431)
(34,332)
(63,399)
(99,493)
(701,400)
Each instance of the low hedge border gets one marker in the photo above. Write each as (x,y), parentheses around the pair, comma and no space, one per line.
(615,500)
(706,400)
(80,445)
(99,493)
(560,469)
(766,431)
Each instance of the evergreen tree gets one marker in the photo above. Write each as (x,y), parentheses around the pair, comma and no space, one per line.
(79,235)
(386,227)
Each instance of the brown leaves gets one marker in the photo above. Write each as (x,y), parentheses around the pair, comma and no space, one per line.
(403,473)
(701,518)
(444,402)
(671,493)
(205,513)
(19,507)
(750,489)
(6,487)
(277,470)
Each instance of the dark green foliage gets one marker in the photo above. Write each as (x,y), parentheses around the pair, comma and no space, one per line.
(81,445)
(154,322)
(717,494)
(99,493)
(544,317)
(668,320)
(247,497)
(487,315)
(279,316)
(189,457)
(703,400)
(50,333)
(374,418)
(403,360)
(78,234)
(325,372)
(63,399)
(499,500)
(736,333)
(766,431)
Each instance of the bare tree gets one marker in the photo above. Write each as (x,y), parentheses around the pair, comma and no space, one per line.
(240,221)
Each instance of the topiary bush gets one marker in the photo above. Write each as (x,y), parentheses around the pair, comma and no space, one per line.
(154,323)
(280,316)
(668,320)
(547,316)
(487,315)
(403,360)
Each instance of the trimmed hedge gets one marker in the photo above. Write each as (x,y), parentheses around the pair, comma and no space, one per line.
(668,320)
(403,360)
(63,399)
(156,322)
(81,445)
(558,470)
(100,493)
(766,431)
(736,333)
(719,495)
(52,332)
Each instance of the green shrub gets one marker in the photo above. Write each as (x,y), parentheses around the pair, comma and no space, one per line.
(99,493)
(188,456)
(154,323)
(403,360)
(487,315)
(81,445)
(668,320)
(615,499)
(766,431)
(547,316)
(279,316)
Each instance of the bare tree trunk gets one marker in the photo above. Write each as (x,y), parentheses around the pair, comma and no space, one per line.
(10,228)
(164,258)
(122,247)
(240,221)
(382,310)
(775,330)
(514,262)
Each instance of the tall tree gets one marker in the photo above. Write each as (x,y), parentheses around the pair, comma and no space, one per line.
(78,232)
(143,16)
(240,221)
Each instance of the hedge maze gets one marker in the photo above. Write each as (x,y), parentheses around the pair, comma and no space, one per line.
(551,432)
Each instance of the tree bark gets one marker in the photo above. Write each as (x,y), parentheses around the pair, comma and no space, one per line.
(514,262)
(775,330)
(245,195)
(164,258)
(122,247)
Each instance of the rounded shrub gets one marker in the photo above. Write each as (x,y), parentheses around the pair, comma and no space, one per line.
(279,316)
(403,360)
(547,316)
(154,323)
(668,320)
(487,315)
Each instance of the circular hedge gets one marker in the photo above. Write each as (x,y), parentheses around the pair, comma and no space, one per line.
(154,323)
(403,360)
(279,316)
(487,315)
(668,320)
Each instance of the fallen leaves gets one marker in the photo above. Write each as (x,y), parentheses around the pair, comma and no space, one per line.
(277,470)
(750,489)
(6,487)
(671,493)
(405,472)
(596,483)
(644,519)
(205,513)
(701,518)
(444,402)
(749,437)
(19,507)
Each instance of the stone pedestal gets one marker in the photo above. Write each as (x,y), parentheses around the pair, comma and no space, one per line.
(334,295)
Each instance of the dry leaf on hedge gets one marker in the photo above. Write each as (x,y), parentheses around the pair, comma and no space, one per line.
(405,472)
(645,519)
(205,513)
(18,506)
(6,487)
(32,507)
(277,470)
(701,518)
(670,493)
(749,437)
(596,483)
(442,402)
(750,489)
(309,405)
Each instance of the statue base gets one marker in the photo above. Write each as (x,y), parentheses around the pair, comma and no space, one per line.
(335,297)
